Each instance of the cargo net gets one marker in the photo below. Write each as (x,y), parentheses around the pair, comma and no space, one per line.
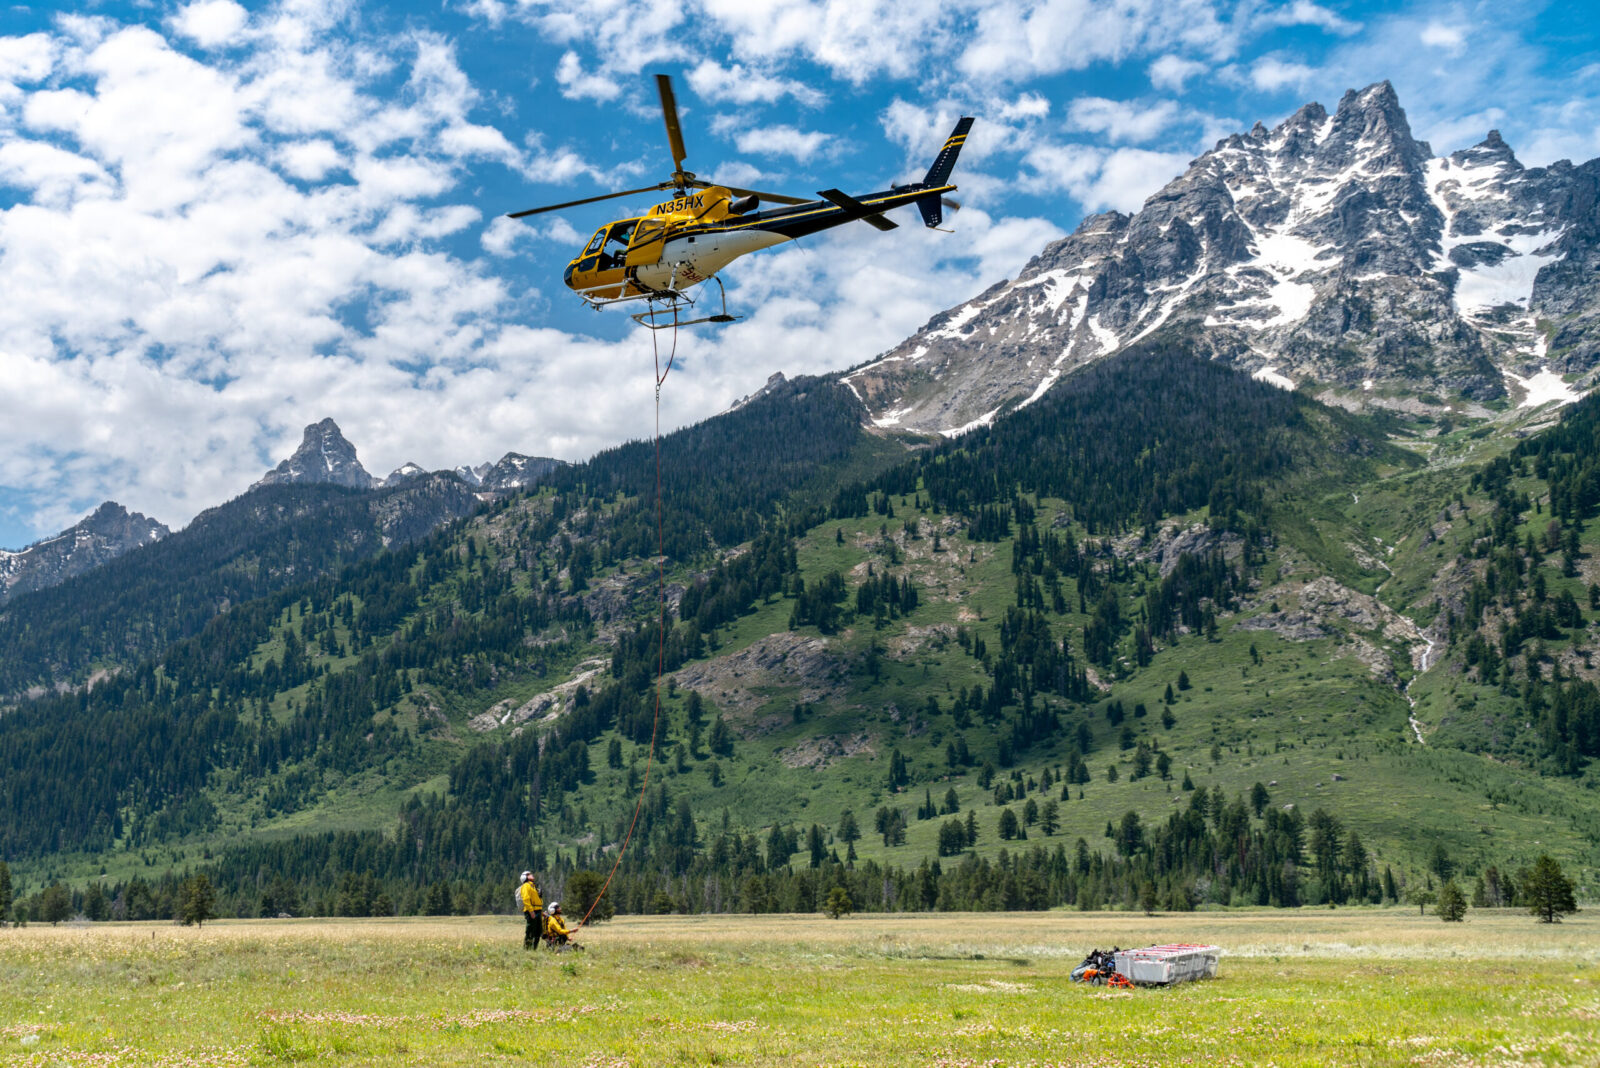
(1176,962)
(1099,968)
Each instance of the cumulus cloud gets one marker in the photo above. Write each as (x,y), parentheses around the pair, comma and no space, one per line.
(1100,178)
(1306,13)
(780,140)
(211,23)
(1270,74)
(1121,120)
(1451,38)
(1021,40)
(576,84)
(738,84)
(1171,72)
(26,59)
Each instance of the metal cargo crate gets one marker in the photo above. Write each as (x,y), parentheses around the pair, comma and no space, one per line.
(1175,963)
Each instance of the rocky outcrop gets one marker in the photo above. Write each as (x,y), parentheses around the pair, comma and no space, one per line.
(742,683)
(1170,543)
(323,456)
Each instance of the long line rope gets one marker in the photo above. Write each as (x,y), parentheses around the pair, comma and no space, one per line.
(661,614)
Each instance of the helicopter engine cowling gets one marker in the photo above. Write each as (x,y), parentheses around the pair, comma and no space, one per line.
(744,205)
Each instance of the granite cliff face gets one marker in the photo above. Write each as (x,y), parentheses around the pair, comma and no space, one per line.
(104,535)
(1335,253)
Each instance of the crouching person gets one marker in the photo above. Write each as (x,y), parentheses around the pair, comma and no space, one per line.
(556,931)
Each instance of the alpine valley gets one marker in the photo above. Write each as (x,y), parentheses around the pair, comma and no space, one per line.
(1239,551)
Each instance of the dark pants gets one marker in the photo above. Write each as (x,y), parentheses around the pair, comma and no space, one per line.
(535,931)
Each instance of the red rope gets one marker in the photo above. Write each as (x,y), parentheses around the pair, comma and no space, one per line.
(661,616)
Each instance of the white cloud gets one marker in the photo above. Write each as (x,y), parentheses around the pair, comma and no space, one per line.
(1270,74)
(1100,178)
(1171,72)
(1451,38)
(564,164)
(1025,107)
(53,175)
(504,236)
(737,172)
(1306,13)
(1121,120)
(783,140)
(738,84)
(1016,41)
(26,59)
(211,23)
(309,160)
(578,85)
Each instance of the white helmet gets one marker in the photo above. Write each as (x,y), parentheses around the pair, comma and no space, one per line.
(551,908)
(527,875)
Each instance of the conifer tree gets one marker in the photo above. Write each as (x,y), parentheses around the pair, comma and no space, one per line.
(1452,906)
(1547,890)
(198,901)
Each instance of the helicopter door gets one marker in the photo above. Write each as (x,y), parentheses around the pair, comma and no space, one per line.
(649,238)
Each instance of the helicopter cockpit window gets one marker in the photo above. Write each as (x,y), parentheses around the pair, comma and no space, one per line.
(595,242)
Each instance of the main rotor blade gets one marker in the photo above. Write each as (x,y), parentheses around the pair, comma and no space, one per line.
(776,198)
(669,112)
(588,200)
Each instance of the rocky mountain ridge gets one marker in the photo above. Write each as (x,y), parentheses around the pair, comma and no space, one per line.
(106,533)
(326,456)
(1334,253)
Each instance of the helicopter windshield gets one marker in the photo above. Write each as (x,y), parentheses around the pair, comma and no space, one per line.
(596,241)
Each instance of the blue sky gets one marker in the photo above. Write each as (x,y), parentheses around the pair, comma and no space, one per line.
(220,222)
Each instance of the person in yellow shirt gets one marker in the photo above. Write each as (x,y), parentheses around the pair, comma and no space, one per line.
(556,929)
(532,910)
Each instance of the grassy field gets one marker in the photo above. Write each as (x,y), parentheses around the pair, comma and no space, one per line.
(1296,988)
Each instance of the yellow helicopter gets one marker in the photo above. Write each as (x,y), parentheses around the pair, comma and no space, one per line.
(685,241)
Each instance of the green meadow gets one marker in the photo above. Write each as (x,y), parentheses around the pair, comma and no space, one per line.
(1346,987)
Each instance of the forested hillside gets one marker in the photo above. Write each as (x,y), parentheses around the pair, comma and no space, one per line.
(1168,631)
(271,538)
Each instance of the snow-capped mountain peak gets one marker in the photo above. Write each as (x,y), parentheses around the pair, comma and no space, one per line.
(1332,252)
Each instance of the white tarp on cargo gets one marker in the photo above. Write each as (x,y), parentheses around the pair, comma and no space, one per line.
(1177,963)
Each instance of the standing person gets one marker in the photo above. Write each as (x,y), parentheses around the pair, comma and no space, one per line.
(532,910)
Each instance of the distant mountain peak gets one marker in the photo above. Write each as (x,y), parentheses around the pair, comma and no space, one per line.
(324,455)
(101,536)
(515,471)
